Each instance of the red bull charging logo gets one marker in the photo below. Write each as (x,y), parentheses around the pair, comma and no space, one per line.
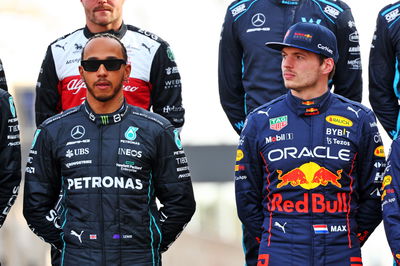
(309,176)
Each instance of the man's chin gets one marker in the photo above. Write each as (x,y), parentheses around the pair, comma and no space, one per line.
(104,98)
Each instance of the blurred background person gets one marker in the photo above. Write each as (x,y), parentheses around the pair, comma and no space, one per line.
(384,69)
(10,154)
(3,81)
(249,73)
(10,150)
(391,200)
(154,82)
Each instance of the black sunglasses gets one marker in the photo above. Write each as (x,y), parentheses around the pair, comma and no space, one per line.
(109,64)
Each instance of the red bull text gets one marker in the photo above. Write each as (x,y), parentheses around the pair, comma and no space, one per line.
(318,204)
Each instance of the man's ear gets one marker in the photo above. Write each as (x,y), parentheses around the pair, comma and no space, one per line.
(328,65)
(81,71)
(127,72)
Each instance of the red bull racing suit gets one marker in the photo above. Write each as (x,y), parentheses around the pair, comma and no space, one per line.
(391,200)
(307,179)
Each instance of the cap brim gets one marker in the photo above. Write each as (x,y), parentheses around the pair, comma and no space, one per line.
(276,45)
(279,46)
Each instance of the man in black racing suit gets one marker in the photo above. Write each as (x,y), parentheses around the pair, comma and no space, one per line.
(10,152)
(111,160)
(3,81)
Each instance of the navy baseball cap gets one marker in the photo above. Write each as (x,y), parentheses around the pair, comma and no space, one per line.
(311,37)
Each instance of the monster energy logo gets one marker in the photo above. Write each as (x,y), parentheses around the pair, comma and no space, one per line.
(104,119)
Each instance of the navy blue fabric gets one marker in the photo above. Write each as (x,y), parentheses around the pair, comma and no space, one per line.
(307,179)
(110,169)
(311,37)
(10,154)
(384,89)
(391,200)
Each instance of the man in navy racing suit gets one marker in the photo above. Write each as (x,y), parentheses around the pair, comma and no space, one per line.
(248,71)
(309,164)
(390,200)
(111,160)
(384,70)
(154,82)
(10,154)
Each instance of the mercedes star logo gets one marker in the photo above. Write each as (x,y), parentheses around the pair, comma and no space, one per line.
(258,20)
(78,132)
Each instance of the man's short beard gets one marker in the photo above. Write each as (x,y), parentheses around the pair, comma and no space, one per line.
(105,98)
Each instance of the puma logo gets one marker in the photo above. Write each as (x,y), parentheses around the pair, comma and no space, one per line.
(265,113)
(79,236)
(281,226)
(60,46)
(351,109)
(148,48)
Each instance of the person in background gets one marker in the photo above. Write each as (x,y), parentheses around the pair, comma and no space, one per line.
(3,81)
(249,73)
(391,202)
(154,82)
(112,161)
(384,88)
(309,164)
(10,150)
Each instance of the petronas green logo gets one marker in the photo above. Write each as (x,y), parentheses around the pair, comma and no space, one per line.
(130,134)
(177,140)
(104,119)
(12,107)
(170,54)
(35,137)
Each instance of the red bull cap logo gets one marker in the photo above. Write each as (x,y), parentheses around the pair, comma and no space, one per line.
(302,36)
(309,176)
(312,111)
(307,102)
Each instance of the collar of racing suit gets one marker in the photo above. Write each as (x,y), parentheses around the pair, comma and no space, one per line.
(105,119)
(310,107)
(119,33)
(287,2)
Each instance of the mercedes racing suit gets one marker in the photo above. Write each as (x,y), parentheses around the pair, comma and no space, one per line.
(249,72)
(391,200)
(307,180)
(154,81)
(384,70)
(3,81)
(111,169)
(10,154)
